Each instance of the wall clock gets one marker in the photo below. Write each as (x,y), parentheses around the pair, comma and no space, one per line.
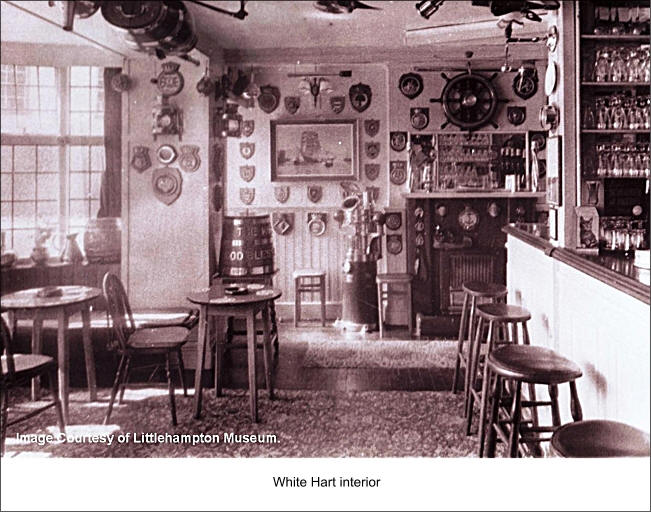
(468,219)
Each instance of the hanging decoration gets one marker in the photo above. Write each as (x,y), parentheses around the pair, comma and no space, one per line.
(247,149)
(315,85)
(247,172)
(292,103)
(281,193)
(247,195)
(373,193)
(167,119)
(525,82)
(371,127)
(372,171)
(166,182)
(206,85)
(282,222)
(269,98)
(248,127)
(516,115)
(410,85)
(121,82)
(372,149)
(140,160)
(314,193)
(393,220)
(166,154)
(398,141)
(189,159)
(419,118)
(316,223)
(169,81)
(398,172)
(360,96)
(337,104)
(394,244)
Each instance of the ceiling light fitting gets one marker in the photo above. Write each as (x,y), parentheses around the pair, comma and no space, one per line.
(427,8)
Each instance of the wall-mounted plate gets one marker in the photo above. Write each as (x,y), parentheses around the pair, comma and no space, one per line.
(166,154)
(551,77)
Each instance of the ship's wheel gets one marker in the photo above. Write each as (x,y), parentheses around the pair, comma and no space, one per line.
(469,100)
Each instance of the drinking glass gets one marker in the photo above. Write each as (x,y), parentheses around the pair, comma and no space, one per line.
(588,117)
(602,65)
(618,72)
(603,114)
(618,120)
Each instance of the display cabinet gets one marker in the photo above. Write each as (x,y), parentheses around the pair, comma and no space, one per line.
(614,107)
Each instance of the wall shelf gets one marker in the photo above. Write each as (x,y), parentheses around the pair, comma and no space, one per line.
(615,84)
(611,131)
(497,194)
(630,38)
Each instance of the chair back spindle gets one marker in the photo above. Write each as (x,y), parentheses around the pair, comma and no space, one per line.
(119,309)
(8,358)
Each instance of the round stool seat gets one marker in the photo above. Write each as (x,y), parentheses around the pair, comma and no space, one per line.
(482,289)
(527,363)
(600,438)
(503,312)
(308,272)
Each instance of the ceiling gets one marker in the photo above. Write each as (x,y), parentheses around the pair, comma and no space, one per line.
(284,29)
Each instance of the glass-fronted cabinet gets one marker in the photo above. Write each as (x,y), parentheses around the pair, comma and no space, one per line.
(614,110)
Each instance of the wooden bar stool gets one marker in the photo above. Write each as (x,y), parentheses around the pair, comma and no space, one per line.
(515,365)
(600,438)
(384,294)
(473,290)
(309,280)
(497,323)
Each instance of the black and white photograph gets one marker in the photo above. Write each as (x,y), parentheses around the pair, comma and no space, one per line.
(207,305)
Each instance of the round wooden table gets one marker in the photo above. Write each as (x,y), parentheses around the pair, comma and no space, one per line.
(215,302)
(27,304)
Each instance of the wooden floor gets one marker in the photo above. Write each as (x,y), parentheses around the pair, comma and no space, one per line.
(291,374)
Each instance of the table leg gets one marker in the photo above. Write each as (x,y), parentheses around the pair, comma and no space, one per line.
(63,360)
(266,350)
(37,348)
(223,324)
(250,338)
(201,354)
(88,353)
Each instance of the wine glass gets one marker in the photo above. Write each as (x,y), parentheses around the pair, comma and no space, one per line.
(602,65)
(618,71)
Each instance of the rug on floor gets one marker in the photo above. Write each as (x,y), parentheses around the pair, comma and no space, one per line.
(304,423)
(344,353)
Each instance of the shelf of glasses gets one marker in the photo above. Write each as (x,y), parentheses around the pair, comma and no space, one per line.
(616,84)
(632,38)
(606,132)
(595,178)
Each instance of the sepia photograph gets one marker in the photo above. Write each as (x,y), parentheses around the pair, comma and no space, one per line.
(325,255)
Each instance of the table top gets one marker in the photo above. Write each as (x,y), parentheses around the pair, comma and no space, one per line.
(216,295)
(28,299)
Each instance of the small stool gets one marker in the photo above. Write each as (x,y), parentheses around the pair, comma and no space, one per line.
(473,290)
(309,280)
(518,364)
(384,294)
(493,322)
(600,438)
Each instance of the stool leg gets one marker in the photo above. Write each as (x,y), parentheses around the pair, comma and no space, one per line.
(460,343)
(380,309)
(322,291)
(516,413)
(495,398)
(531,387)
(472,375)
(410,321)
(482,408)
(575,404)
(556,412)
(469,359)
(297,301)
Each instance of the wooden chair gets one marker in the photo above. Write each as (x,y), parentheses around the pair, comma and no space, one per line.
(19,368)
(309,281)
(135,341)
(385,292)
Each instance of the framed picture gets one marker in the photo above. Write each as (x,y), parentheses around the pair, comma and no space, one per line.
(316,150)
(554,171)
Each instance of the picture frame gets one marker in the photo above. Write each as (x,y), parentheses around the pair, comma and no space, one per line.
(554,176)
(314,150)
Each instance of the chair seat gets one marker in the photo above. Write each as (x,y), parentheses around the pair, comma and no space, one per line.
(308,272)
(532,364)
(27,364)
(600,438)
(483,289)
(162,338)
(393,278)
(503,312)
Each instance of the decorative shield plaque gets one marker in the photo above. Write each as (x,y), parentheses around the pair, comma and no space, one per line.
(247,149)
(269,98)
(247,195)
(398,140)
(398,172)
(247,127)
(372,171)
(419,118)
(360,96)
(316,223)
(371,127)
(394,244)
(292,103)
(374,193)
(393,220)
(337,104)
(140,160)
(189,159)
(170,80)
(166,182)
(283,223)
(314,193)
(247,172)
(281,193)
(411,85)
(372,149)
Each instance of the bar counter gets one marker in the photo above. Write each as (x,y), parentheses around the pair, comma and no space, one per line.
(593,310)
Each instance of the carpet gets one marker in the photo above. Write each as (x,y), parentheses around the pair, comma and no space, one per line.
(295,424)
(380,354)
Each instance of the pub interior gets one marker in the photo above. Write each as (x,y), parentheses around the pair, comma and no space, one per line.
(327,215)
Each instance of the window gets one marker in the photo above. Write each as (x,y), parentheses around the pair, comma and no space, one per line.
(52,151)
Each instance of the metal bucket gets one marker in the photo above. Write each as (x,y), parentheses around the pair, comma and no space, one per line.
(247,246)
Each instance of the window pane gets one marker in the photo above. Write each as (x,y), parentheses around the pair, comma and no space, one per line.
(7,74)
(97,76)
(97,162)
(97,124)
(79,124)
(78,185)
(8,97)
(78,158)
(48,98)
(47,186)
(31,101)
(30,75)
(79,75)
(48,159)
(46,75)
(5,162)
(97,99)
(95,184)
(5,214)
(94,207)
(79,99)
(25,214)
(24,186)
(78,212)
(25,158)
(23,242)
(5,186)
(9,122)
(50,122)
(49,212)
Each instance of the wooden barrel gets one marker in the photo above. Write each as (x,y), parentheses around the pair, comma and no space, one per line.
(247,246)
